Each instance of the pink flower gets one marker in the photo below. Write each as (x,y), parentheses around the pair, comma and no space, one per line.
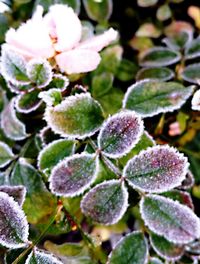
(58,34)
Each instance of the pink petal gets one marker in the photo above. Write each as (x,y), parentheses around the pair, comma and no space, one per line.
(97,43)
(65,26)
(32,38)
(78,61)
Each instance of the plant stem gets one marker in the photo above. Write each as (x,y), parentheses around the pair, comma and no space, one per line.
(111,166)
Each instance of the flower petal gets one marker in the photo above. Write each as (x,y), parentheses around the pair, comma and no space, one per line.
(32,38)
(65,26)
(78,61)
(97,43)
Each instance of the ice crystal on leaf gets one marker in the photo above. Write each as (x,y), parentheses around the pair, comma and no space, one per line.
(41,257)
(17,192)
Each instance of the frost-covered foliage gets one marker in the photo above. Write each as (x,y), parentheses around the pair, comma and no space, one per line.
(97,144)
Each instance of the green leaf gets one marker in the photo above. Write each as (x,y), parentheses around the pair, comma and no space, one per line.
(133,248)
(106,203)
(119,134)
(162,74)
(159,56)
(40,257)
(12,127)
(157,169)
(53,153)
(13,223)
(193,50)
(164,12)
(4,27)
(98,10)
(39,71)
(101,84)
(73,175)
(13,66)
(39,201)
(17,192)
(52,97)
(75,4)
(179,40)
(59,81)
(146,3)
(28,102)
(170,219)
(192,73)
(78,116)
(150,97)
(6,155)
(166,249)
(126,70)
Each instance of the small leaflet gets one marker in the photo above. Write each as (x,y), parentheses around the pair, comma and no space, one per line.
(39,72)
(166,249)
(78,116)
(170,219)
(54,152)
(157,169)
(159,56)
(52,97)
(193,49)
(155,73)
(120,133)
(191,73)
(133,248)
(179,40)
(59,81)
(6,154)
(106,203)
(41,257)
(17,192)
(151,97)
(13,223)
(73,175)
(12,127)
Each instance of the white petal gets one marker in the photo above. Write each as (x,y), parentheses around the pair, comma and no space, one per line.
(78,61)
(65,26)
(97,43)
(32,38)
(196,101)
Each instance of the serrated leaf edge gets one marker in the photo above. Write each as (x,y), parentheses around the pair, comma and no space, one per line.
(25,111)
(44,254)
(15,186)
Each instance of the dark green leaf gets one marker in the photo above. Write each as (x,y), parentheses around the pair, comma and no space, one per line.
(28,102)
(162,74)
(193,50)
(6,155)
(192,73)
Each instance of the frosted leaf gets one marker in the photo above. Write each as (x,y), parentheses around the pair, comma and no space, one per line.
(159,56)
(12,127)
(73,175)
(157,169)
(28,102)
(6,155)
(120,133)
(193,50)
(192,73)
(166,249)
(188,182)
(179,40)
(59,81)
(78,116)
(17,192)
(196,101)
(151,97)
(168,218)
(51,97)
(54,152)
(162,74)
(39,72)
(13,223)
(132,248)
(155,261)
(106,203)
(41,257)
(13,66)
(193,247)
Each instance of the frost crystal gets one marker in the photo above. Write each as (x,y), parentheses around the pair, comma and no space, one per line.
(41,257)
(120,133)
(17,192)
(157,169)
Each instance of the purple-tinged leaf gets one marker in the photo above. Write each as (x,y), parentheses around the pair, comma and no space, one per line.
(78,116)
(193,248)
(28,102)
(55,152)
(6,155)
(39,72)
(73,175)
(106,203)
(13,223)
(17,192)
(120,133)
(157,169)
(196,101)
(133,248)
(166,249)
(159,56)
(12,127)
(168,218)
(41,257)
(151,97)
